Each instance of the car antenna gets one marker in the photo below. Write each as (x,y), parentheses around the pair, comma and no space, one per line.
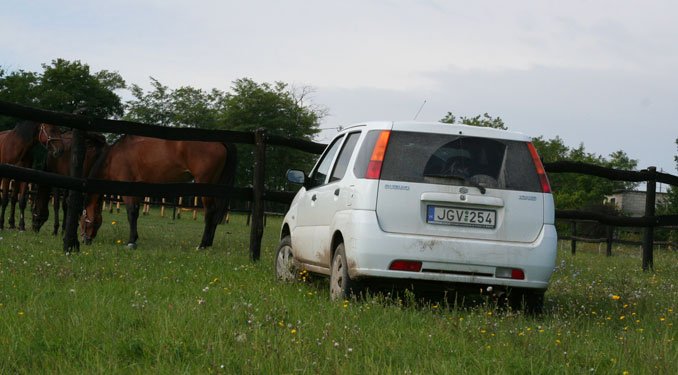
(419,111)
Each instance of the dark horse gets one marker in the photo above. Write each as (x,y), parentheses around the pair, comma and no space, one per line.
(94,143)
(15,147)
(143,159)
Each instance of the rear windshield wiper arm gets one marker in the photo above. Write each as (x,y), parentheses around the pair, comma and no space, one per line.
(458,177)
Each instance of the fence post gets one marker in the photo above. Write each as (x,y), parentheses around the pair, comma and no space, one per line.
(648,237)
(257,227)
(610,238)
(75,198)
(574,235)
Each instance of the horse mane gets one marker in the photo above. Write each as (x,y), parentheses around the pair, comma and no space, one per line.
(95,139)
(99,162)
(26,129)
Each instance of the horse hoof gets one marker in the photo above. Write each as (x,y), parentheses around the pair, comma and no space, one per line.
(131,245)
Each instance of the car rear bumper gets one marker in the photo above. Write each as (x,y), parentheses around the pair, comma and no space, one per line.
(370,252)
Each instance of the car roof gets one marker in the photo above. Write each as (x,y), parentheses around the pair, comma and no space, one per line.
(439,127)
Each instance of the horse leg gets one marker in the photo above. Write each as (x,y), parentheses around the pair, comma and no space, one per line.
(64,209)
(23,200)
(55,205)
(5,199)
(132,206)
(211,222)
(12,209)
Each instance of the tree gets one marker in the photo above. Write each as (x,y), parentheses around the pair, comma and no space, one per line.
(484,120)
(183,107)
(17,87)
(69,86)
(249,106)
(64,86)
(670,207)
(279,110)
(578,191)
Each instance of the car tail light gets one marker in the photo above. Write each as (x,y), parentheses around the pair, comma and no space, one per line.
(377,158)
(510,273)
(541,172)
(405,265)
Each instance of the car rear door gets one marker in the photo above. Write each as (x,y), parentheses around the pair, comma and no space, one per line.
(495,195)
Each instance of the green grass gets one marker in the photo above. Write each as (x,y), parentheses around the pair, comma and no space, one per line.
(167,308)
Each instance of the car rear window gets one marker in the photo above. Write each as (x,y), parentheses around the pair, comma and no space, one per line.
(454,159)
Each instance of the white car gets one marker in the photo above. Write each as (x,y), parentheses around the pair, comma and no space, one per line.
(420,205)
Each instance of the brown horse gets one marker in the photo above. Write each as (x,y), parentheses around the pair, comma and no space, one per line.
(15,146)
(94,143)
(143,159)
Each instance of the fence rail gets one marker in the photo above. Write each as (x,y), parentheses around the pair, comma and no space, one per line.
(257,194)
(147,130)
(649,221)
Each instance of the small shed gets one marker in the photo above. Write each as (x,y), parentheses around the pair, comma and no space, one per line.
(632,202)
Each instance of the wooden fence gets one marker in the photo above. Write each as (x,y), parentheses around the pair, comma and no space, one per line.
(649,221)
(258,194)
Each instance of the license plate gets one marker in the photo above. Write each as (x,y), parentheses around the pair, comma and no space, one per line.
(467,217)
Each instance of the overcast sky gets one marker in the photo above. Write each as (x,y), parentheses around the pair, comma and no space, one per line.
(602,73)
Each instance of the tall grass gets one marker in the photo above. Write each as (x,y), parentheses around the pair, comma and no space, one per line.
(168,308)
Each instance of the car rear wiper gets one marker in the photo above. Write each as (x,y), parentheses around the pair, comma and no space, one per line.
(458,177)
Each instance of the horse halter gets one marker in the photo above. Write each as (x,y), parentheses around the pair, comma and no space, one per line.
(48,137)
(87,221)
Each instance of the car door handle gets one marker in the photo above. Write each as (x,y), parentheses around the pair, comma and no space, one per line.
(336,192)
(314,198)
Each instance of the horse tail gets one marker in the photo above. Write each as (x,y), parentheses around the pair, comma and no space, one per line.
(227,177)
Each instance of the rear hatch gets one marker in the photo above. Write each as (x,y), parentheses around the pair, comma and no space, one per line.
(456,181)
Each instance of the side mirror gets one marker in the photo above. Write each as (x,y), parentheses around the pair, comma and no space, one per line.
(296,176)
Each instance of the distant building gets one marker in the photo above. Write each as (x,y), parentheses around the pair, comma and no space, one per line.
(631,202)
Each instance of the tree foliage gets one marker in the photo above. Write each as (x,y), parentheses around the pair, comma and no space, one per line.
(571,191)
(64,86)
(247,107)
(579,191)
(670,207)
(184,107)
(484,120)
(281,111)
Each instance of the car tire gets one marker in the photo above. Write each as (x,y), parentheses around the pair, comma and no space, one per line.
(341,285)
(529,301)
(285,269)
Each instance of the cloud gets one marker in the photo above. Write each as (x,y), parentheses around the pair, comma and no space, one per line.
(607,110)
(594,72)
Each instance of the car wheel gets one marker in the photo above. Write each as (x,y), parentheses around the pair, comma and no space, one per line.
(530,301)
(341,285)
(285,269)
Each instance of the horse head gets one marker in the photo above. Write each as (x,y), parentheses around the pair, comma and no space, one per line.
(50,137)
(90,221)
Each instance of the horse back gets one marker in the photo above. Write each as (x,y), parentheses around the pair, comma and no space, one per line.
(12,147)
(145,159)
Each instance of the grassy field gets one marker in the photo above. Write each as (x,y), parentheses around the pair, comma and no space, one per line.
(167,308)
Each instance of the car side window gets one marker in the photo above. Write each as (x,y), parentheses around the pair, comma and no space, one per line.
(344,157)
(319,175)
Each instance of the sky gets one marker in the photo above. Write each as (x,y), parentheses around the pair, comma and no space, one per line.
(602,73)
